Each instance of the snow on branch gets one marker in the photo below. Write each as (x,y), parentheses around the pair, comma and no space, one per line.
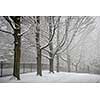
(46,56)
(6,31)
(53,33)
(26,30)
(9,21)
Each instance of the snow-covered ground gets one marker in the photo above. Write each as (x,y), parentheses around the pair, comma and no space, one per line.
(61,77)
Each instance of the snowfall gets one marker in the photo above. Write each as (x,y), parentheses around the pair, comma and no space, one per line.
(61,77)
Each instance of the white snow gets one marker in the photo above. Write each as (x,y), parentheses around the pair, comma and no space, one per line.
(61,77)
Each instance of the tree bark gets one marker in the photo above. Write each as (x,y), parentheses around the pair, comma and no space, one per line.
(57,46)
(17,48)
(39,69)
(51,58)
(51,69)
(57,63)
(68,62)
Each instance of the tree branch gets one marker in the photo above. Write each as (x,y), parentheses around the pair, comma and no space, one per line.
(46,56)
(6,32)
(26,31)
(9,21)
(55,27)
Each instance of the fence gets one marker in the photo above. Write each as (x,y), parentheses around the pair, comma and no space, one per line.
(6,69)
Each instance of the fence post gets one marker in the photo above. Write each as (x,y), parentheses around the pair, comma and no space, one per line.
(1,68)
(31,67)
(23,68)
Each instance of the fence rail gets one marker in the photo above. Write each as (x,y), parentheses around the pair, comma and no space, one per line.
(6,69)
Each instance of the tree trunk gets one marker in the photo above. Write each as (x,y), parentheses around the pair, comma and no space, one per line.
(58,45)
(68,62)
(51,66)
(51,69)
(39,69)
(17,48)
(57,63)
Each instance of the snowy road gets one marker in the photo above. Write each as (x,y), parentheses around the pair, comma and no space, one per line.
(61,77)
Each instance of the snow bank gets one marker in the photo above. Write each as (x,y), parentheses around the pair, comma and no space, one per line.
(61,77)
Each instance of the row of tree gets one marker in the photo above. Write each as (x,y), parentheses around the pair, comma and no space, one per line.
(56,38)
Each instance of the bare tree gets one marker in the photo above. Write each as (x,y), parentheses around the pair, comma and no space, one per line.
(36,20)
(39,70)
(75,26)
(58,37)
(15,24)
(53,26)
(51,45)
